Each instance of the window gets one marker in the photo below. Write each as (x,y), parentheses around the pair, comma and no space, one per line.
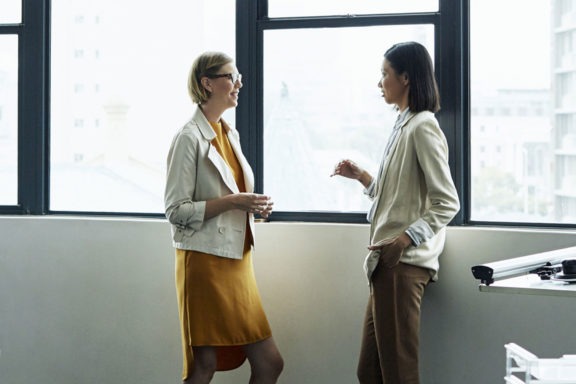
(322,105)
(527,71)
(119,93)
(88,106)
(9,108)
(290,8)
(10,11)
(318,100)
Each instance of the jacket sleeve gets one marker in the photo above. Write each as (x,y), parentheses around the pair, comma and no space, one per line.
(181,209)
(370,190)
(432,153)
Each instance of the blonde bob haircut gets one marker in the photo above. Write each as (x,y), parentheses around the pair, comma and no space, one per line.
(208,63)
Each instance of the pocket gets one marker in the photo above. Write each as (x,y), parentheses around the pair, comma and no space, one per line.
(390,258)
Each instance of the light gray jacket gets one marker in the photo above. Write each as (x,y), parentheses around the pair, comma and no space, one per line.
(196,173)
(415,192)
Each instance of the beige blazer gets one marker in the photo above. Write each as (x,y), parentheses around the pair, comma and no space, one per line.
(416,191)
(196,173)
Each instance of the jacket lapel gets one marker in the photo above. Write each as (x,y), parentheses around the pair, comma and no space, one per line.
(213,155)
(234,139)
(394,146)
(223,170)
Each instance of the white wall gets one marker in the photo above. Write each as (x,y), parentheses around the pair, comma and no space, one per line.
(93,301)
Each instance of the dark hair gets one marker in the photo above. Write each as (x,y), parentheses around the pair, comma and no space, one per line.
(413,59)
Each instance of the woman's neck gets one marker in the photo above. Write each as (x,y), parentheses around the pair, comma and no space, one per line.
(212,114)
(403,102)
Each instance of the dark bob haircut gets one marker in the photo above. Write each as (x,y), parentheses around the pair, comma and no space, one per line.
(413,59)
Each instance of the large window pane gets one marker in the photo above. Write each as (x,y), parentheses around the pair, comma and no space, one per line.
(322,105)
(523,103)
(10,11)
(119,74)
(8,120)
(291,8)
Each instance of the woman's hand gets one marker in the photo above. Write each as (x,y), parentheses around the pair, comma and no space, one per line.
(391,250)
(267,211)
(349,169)
(248,202)
(254,203)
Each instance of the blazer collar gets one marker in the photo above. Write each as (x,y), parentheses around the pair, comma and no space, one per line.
(407,118)
(203,124)
(393,146)
(208,134)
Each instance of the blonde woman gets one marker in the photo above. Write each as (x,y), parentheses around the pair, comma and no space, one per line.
(210,203)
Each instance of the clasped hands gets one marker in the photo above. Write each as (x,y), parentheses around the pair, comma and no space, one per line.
(255,203)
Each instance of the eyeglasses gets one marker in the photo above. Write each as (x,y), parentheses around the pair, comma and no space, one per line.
(234,77)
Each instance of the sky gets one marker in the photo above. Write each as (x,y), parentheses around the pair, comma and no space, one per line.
(511,48)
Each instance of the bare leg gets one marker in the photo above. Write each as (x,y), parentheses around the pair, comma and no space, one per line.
(204,366)
(265,361)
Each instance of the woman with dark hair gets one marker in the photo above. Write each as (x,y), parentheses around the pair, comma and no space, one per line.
(414,199)
(210,203)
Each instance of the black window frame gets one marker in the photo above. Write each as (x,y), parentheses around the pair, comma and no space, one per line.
(33,160)
(450,26)
(452,47)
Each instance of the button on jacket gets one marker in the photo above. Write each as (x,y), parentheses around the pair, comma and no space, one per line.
(196,173)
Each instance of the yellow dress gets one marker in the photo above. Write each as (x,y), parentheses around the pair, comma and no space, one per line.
(218,299)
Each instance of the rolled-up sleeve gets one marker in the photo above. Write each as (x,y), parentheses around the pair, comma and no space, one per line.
(181,209)
(370,190)
(419,231)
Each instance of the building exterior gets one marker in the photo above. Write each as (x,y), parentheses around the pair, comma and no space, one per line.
(564,109)
(511,155)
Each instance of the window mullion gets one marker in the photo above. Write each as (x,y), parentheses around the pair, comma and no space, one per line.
(249,62)
(450,71)
(32,127)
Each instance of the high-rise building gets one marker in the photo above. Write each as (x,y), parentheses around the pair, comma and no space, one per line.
(564,109)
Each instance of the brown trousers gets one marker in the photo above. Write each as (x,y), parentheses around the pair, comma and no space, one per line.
(390,341)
